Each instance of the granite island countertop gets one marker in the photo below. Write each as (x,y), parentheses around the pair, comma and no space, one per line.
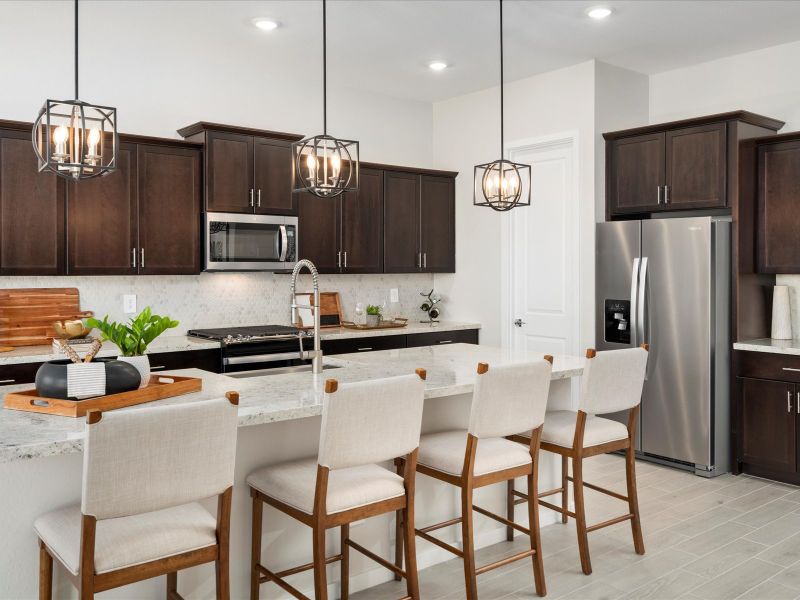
(770,345)
(185,343)
(272,398)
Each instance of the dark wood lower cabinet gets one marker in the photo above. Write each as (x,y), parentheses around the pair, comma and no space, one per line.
(464,336)
(769,416)
(390,342)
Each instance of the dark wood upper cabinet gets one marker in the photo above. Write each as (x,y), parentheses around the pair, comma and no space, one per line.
(229,177)
(102,220)
(438,224)
(769,425)
(779,205)
(318,231)
(32,211)
(696,173)
(362,225)
(272,172)
(401,240)
(635,173)
(169,210)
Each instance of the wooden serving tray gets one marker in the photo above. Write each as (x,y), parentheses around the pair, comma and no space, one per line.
(156,390)
(396,324)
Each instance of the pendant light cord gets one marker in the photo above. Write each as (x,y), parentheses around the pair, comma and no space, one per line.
(324,69)
(502,140)
(76,50)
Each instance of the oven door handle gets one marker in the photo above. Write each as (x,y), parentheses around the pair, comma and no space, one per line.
(260,358)
(284,244)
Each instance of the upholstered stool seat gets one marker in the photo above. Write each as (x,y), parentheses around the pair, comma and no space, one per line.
(445,452)
(559,429)
(294,483)
(128,541)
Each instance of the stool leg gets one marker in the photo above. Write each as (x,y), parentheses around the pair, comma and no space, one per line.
(533,526)
(412,578)
(580,512)
(320,576)
(564,488)
(172,584)
(398,527)
(255,552)
(633,500)
(345,573)
(468,543)
(510,509)
(45,573)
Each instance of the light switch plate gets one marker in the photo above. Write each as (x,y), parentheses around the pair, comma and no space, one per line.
(129,303)
(394,295)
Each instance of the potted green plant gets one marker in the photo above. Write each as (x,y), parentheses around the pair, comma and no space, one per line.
(373,315)
(133,337)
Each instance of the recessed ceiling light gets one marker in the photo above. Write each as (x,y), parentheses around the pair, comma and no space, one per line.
(599,12)
(437,65)
(265,24)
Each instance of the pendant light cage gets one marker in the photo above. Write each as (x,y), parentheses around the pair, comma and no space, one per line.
(325,166)
(76,140)
(502,185)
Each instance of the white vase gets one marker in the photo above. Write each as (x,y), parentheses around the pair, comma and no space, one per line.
(781,313)
(142,364)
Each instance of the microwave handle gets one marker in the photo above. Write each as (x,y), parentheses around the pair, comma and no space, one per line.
(284,244)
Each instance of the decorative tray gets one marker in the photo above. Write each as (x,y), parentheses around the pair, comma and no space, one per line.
(160,387)
(394,324)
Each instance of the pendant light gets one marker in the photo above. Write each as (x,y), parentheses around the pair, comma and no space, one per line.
(324,165)
(74,139)
(502,184)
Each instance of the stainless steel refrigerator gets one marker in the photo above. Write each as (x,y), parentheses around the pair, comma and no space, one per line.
(666,282)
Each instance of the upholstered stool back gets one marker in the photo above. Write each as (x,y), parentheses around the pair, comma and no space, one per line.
(612,381)
(371,421)
(147,459)
(509,399)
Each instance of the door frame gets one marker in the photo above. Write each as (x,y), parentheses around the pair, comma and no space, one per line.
(550,141)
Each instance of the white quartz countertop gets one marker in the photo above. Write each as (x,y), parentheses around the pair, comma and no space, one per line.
(271,398)
(770,345)
(183,343)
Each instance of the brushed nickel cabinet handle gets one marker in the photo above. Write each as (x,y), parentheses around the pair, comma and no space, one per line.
(7,381)
(658,195)
(133,254)
(345,259)
(445,341)
(666,194)
(424,260)
(365,349)
(141,256)
(788,401)
(339,259)
(158,368)
(798,403)
(252,191)
(259,198)
(791,369)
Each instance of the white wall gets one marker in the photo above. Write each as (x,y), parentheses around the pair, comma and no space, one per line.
(763,81)
(466,133)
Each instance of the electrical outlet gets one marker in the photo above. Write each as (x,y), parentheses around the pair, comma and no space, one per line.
(129,303)
(394,295)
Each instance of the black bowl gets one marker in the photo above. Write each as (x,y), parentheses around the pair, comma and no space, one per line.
(51,378)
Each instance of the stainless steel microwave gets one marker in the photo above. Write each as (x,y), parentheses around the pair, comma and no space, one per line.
(236,242)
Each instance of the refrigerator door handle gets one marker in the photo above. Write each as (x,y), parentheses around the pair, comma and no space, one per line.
(634,324)
(642,304)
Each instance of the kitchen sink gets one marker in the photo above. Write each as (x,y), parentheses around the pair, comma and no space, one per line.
(278,371)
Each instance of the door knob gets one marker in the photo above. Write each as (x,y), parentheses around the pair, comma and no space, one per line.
(519,322)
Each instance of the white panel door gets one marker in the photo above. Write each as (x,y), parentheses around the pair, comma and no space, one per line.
(544,253)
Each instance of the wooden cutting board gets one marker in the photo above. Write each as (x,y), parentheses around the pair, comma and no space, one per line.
(330,314)
(27,314)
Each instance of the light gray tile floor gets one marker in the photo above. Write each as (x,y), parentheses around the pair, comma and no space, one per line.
(716,539)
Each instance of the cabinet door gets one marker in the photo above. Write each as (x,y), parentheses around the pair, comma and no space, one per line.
(272,170)
(362,225)
(440,338)
(696,167)
(401,244)
(169,210)
(438,224)
(769,424)
(318,231)
(102,220)
(363,344)
(32,216)
(229,181)
(779,207)
(635,173)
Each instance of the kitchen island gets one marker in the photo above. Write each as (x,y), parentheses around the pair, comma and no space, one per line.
(279,417)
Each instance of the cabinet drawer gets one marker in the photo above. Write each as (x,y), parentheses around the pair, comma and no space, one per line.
(363,344)
(766,365)
(18,373)
(464,336)
(208,360)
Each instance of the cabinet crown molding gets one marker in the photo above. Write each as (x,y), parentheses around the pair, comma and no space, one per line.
(202,126)
(738,115)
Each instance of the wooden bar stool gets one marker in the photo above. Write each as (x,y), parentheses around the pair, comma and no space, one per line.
(504,399)
(612,382)
(143,472)
(362,424)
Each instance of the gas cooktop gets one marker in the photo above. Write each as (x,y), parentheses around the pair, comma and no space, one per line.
(243,335)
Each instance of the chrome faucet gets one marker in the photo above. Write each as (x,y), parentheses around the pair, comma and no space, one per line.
(316,354)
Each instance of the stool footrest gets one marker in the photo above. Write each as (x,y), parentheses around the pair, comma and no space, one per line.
(597,488)
(549,492)
(504,561)
(613,521)
(558,509)
(268,575)
(426,536)
(441,525)
(381,561)
(500,519)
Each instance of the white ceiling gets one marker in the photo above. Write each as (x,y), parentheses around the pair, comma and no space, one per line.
(384,46)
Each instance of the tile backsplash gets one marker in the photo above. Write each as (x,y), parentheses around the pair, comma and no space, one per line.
(229,299)
(793,281)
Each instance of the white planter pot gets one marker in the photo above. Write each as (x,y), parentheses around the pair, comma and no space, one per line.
(142,364)
(373,320)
